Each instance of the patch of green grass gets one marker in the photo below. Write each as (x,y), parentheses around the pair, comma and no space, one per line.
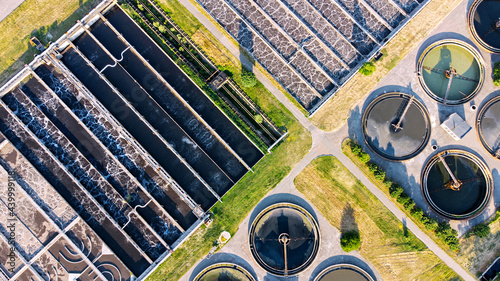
(391,64)
(46,19)
(386,243)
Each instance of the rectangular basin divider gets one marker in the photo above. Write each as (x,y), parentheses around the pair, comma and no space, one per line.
(316,37)
(179,97)
(376,14)
(347,14)
(163,110)
(266,41)
(296,44)
(65,229)
(133,179)
(301,19)
(127,213)
(102,183)
(76,182)
(145,121)
(195,207)
(399,8)
(27,265)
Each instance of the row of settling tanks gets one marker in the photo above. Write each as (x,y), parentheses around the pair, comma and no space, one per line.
(284,240)
(396,126)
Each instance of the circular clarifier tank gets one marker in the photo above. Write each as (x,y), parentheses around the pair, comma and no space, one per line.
(343,272)
(224,272)
(484,23)
(284,239)
(488,126)
(451,72)
(396,126)
(457,184)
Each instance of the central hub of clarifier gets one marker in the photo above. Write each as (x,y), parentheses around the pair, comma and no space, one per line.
(457,184)
(484,24)
(396,126)
(451,72)
(284,239)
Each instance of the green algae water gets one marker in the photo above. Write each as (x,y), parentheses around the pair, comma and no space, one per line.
(444,86)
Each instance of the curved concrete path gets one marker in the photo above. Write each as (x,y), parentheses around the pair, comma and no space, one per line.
(324,143)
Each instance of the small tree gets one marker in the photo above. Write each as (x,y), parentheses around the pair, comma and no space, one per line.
(417,213)
(162,28)
(367,69)
(355,148)
(395,191)
(403,198)
(481,230)
(350,241)
(496,74)
(248,79)
(364,157)
(258,118)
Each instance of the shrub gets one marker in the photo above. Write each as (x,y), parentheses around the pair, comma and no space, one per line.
(379,174)
(162,28)
(496,74)
(364,157)
(248,79)
(258,118)
(367,69)
(430,223)
(350,241)
(409,205)
(140,7)
(481,230)
(417,213)
(156,24)
(395,191)
(372,167)
(388,183)
(403,198)
(356,149)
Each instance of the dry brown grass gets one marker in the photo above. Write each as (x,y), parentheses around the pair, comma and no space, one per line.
(395,252)
(336,111)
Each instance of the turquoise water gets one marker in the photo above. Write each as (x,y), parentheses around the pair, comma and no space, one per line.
(443,58)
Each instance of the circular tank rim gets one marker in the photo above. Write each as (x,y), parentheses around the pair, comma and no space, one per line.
(459,43)
(224,264)
(479,117)
(420,106)
(484,169)
(343,265)
(472,29)
(315,251)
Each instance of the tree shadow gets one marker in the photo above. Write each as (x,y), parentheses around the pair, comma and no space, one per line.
(348,221)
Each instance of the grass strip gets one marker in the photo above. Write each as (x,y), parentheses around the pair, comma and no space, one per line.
(349,206)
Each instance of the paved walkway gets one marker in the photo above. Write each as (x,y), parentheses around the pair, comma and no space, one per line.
(324,143)
(7,6)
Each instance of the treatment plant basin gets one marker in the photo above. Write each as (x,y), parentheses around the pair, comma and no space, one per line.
(488,126)
(484,23)
(224,272)
(451,72)
(343,272)
(396,126)
(284,239)
(456,184)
